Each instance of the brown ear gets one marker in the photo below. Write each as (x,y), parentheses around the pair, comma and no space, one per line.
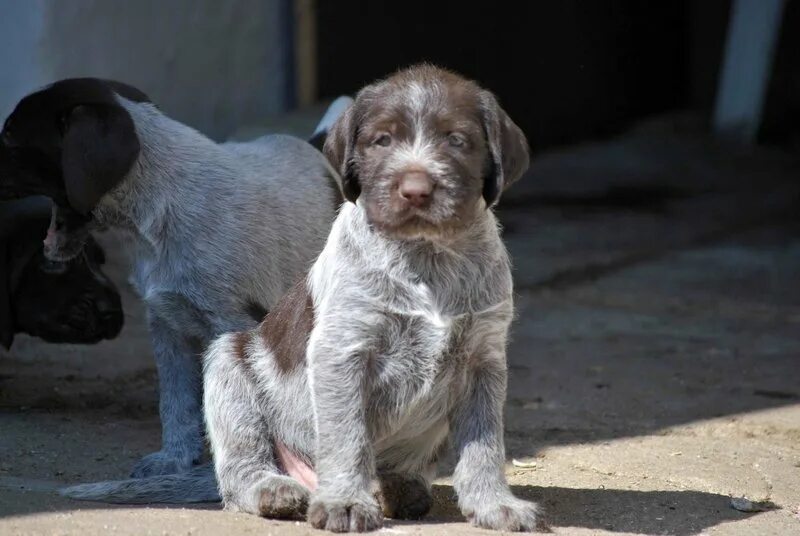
(98,149)
(339,149)
(507,146)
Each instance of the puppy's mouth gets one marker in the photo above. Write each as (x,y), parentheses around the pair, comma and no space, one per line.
(412,223)
(59,248)
(66,235)
(414,203)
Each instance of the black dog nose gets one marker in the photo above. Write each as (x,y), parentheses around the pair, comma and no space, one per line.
(416,187)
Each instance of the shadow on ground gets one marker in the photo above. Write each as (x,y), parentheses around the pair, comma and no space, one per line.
(675,513)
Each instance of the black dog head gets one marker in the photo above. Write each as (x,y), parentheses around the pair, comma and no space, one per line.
(72,142)
(57,301)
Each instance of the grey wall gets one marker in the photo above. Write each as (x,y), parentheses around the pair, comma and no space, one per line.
(212,64)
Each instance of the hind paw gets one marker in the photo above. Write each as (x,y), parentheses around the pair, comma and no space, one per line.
(404,496)
(282,497)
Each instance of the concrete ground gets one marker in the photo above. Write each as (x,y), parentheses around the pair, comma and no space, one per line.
(654,368)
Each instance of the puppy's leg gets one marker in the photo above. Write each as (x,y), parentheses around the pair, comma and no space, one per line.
(483,493)
(180,386)
(345,462)
(241,441)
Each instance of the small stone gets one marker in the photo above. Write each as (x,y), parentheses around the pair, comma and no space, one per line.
(746,505)
(523,465)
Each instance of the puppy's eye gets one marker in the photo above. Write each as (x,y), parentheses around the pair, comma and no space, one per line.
(382,140)
(456,140)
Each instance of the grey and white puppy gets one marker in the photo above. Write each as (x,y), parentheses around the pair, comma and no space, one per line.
(395,342)
(218,232)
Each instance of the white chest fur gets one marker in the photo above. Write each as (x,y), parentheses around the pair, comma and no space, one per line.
(419,313)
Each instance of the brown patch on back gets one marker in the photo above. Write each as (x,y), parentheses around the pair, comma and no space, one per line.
(287,327)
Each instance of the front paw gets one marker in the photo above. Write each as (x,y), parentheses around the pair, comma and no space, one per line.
(355,514)
(282,497)
(162,463)
(507,514)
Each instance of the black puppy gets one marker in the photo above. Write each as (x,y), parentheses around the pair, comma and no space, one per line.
(56,301)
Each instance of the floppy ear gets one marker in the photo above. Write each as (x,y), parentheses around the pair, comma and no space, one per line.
(507,146)
(98,149)
(339,149)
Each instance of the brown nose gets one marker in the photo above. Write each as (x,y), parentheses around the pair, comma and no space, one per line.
(416,187)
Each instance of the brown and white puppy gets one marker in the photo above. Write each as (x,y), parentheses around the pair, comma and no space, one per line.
(394,344)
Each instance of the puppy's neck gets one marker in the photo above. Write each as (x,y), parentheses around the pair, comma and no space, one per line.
(476,238)
(177,169)
(470,274)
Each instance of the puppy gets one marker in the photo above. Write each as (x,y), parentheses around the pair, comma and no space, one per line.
(59,302)
(217,232)
(395,342)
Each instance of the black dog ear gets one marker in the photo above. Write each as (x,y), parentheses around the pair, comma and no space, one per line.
(507,146)
(339,149)
(98,149)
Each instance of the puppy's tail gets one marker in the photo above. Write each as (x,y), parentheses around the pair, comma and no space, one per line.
(196,486)
(334,111)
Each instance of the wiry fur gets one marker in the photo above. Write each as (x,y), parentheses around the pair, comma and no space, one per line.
(406,351)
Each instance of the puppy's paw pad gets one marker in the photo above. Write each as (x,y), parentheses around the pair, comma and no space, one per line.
(282,497)
(360,514)
(161,463)
(513,515)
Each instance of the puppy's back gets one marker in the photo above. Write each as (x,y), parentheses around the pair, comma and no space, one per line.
(290,170)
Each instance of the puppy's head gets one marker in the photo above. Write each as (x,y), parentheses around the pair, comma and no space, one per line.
(425,151)
(69,301)
(71,141)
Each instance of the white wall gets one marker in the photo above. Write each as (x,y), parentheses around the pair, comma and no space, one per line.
(212,64)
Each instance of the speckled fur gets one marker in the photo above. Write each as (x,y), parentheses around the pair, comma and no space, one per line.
(407,351)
